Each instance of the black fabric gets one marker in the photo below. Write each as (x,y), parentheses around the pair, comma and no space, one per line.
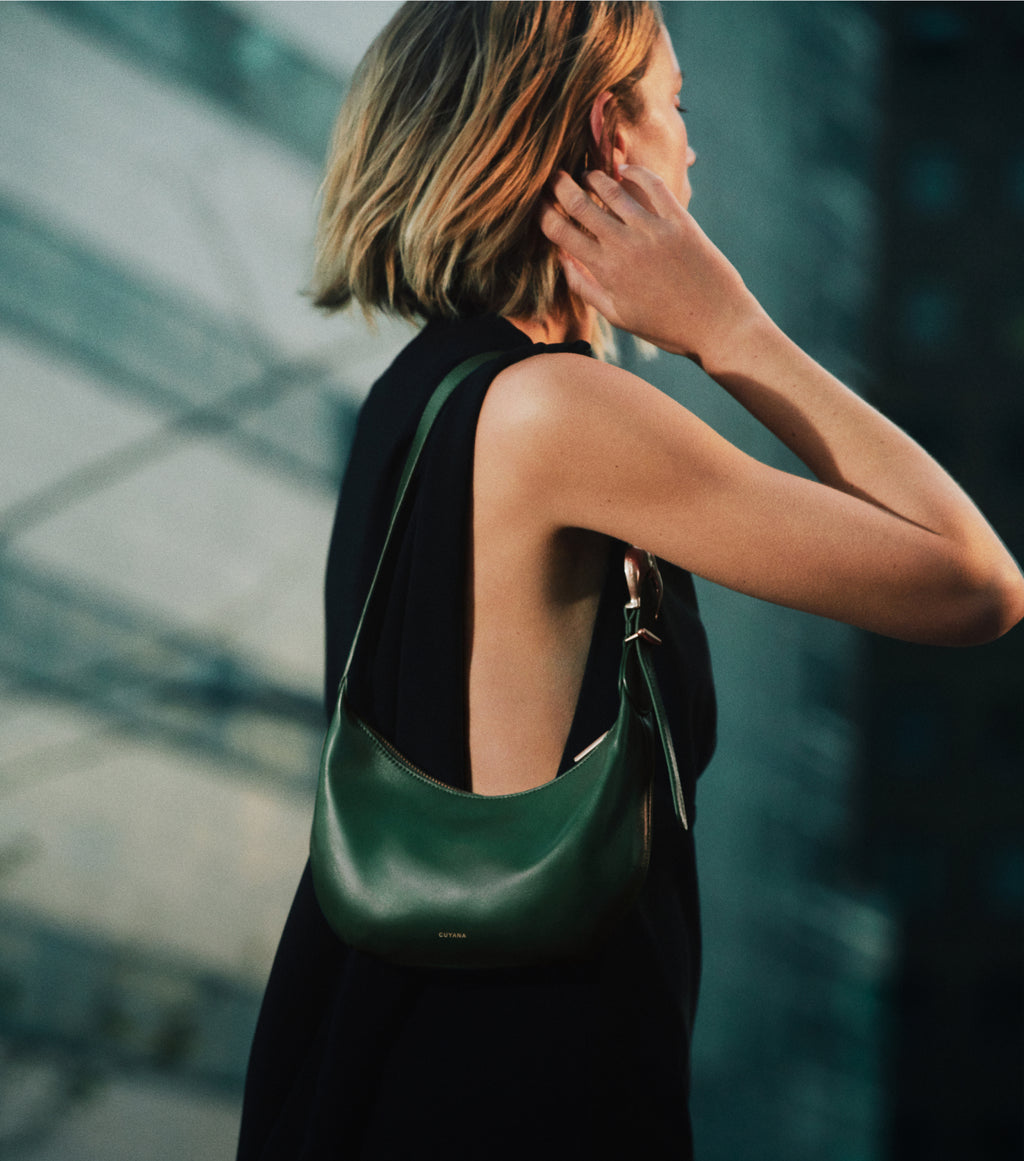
(357,1059)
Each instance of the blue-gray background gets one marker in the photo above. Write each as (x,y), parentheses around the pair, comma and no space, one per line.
(173,422)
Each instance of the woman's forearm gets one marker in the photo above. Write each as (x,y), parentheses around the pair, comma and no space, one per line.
(847,443)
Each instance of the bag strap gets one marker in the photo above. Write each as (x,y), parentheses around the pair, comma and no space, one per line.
(434,404)
(436,401)
(643,580)
(658,711)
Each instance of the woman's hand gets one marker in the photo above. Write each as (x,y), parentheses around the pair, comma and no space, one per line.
(644,263)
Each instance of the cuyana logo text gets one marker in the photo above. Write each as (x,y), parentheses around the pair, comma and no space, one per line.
(451,935)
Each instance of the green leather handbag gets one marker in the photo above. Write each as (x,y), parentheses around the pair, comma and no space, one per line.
(419,873)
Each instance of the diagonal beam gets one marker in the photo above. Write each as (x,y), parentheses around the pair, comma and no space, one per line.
(241,65)
(143,677)
(209,373)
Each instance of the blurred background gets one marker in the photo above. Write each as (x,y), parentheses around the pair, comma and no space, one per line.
(174,419)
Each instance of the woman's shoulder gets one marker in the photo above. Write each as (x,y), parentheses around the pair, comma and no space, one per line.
(565,396)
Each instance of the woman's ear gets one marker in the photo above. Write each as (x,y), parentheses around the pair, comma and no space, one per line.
(606,138)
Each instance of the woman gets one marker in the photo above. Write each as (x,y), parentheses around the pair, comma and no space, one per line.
(491,660)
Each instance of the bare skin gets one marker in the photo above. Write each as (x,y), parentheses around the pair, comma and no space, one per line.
(570,451)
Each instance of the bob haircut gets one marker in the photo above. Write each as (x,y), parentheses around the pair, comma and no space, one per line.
(456,119)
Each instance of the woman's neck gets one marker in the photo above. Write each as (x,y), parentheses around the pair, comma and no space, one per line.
(557,328)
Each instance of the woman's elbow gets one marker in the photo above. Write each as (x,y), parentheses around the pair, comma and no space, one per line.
(988,604)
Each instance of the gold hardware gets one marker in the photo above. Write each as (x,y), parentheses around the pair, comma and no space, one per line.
(642,568)
(587,749)
(644,635)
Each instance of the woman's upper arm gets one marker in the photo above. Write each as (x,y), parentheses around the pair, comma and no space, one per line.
(583,444)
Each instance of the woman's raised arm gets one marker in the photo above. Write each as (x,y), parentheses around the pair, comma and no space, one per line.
(886,540)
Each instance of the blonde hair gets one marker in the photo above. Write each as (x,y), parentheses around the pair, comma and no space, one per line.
(456,119)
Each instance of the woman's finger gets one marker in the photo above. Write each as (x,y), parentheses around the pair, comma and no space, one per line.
(565,234)
(583,284)
(662,200)
(580,206)
(623,207)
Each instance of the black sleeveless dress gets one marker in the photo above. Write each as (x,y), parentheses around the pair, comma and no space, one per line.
(354,1058)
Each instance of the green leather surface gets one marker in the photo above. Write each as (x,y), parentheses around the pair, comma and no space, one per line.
(424,874)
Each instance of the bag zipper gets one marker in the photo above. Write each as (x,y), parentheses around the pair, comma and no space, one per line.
(396,753)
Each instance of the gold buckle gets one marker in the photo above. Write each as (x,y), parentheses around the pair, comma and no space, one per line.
(644,635)
(642,568)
